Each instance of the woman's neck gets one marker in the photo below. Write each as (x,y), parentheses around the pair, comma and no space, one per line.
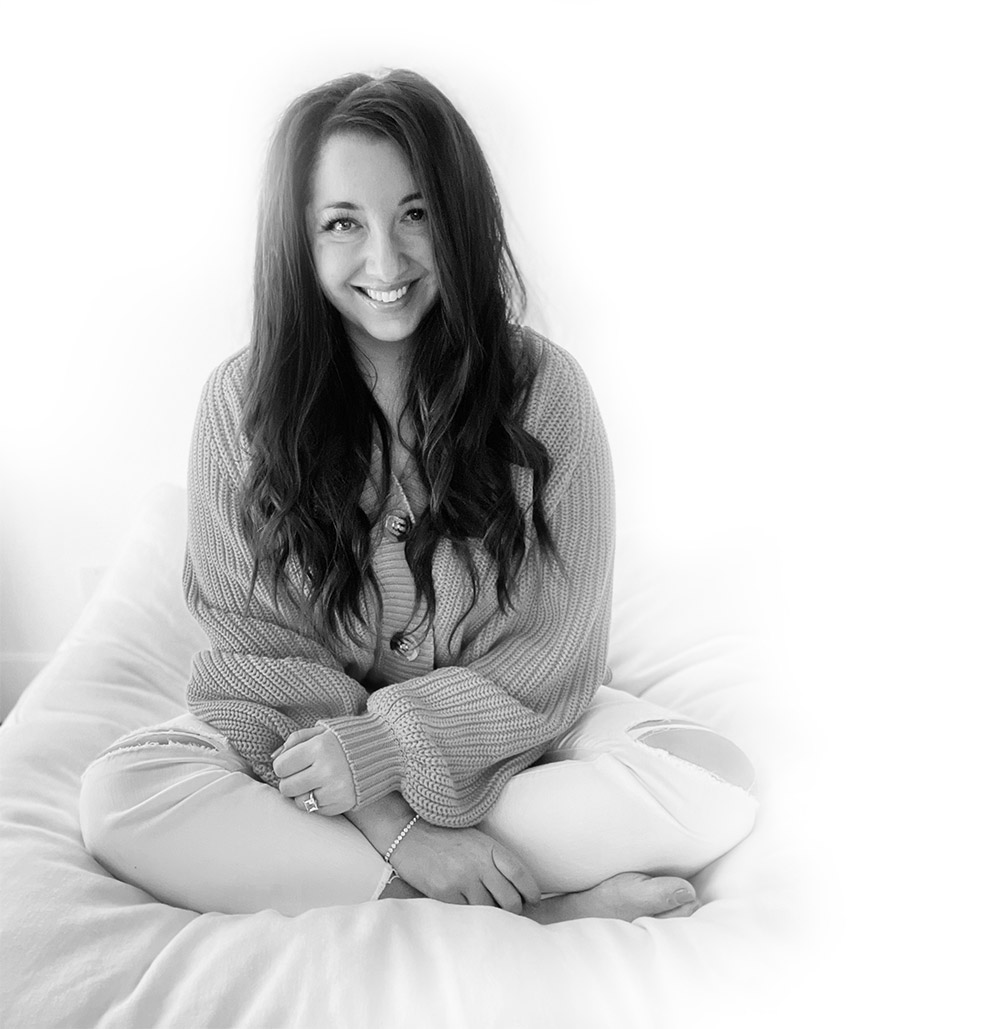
(385,367)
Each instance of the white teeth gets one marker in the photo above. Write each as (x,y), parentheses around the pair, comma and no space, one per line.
(386,298)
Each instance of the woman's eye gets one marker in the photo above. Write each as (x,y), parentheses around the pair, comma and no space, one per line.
(418,214)
(339,225)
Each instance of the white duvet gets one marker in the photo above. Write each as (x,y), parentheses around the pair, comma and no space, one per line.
(81,949)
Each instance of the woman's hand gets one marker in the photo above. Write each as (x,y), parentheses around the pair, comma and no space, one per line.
(464,866)
(313,760)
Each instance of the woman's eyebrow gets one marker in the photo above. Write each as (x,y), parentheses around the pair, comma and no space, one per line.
(346,205)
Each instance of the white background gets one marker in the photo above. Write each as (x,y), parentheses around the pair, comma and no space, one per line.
(769,231)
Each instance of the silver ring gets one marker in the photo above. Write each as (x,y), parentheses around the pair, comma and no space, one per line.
(310,802)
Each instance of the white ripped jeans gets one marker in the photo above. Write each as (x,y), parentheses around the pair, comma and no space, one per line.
(631,786)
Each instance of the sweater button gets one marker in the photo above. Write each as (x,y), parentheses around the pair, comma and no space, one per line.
(407,646)
(398,525)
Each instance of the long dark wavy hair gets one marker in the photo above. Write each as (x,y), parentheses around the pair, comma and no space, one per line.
(310,417)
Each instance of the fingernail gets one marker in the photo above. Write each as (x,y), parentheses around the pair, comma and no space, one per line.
(682,896)
(275,753)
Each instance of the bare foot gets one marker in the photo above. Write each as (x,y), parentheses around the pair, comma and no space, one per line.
(626,896)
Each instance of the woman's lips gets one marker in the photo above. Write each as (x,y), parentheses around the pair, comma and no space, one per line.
(385,297)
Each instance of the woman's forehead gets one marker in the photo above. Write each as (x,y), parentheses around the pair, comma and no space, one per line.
(359,170)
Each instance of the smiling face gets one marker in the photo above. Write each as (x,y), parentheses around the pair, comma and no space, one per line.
(370,239)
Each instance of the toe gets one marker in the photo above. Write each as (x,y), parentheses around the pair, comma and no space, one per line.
(670,892)
(680,912)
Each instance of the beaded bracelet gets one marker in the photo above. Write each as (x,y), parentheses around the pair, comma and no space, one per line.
(395,843)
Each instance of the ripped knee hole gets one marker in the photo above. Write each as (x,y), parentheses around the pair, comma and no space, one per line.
(162,739)
(698,746)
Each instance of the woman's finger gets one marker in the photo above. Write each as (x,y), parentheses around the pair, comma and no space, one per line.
(300,784)
(327,810)
(516,871)
(321,808)
(295,738)
(478,894)
(301,735)
(294,759)
(504,893)
(331,799)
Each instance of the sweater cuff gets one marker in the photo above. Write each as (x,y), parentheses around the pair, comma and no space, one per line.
(374,756)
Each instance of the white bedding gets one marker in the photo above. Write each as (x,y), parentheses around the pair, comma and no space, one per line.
(82,949)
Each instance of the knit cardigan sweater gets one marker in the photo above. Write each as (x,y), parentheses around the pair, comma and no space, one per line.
(490,691)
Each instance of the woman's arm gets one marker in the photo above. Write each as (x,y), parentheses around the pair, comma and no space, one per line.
(262,679)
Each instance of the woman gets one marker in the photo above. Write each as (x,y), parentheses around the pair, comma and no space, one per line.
(400,547)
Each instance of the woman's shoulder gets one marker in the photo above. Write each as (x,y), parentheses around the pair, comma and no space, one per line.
(225,387)
(561,409)
(220,410)
(552,360)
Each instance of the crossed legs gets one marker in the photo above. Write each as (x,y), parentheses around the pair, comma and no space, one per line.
(630,788)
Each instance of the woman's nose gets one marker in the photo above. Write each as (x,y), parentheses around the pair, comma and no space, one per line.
(384,260)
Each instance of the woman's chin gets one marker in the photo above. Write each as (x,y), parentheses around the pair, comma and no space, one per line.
(384,328)
(366,337)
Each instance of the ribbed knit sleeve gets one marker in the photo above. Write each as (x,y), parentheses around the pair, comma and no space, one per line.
(263,677)
(521,677)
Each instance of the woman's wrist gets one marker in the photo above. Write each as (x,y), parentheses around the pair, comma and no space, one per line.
(387,856)
(373,754)
(382,820)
